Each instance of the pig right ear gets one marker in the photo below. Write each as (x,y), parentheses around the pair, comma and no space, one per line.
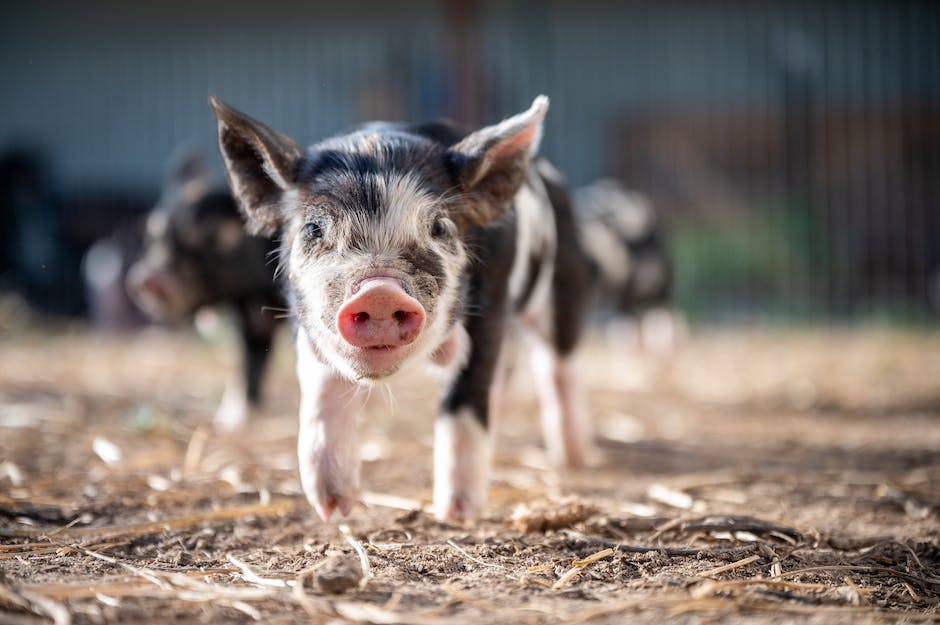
(260,164)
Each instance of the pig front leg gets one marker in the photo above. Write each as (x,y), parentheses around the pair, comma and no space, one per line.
(328,443)
(462,445)
(242,395)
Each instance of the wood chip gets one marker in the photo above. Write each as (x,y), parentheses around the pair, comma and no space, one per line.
(600,555)
(551,517)
(730,567)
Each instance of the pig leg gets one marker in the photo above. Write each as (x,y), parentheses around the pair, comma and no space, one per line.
(566,427)
(553,336)
(327,445)
(462,446)
(243,396)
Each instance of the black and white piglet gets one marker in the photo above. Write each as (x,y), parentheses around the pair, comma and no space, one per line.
(406,244)
(624,239)
(197,253)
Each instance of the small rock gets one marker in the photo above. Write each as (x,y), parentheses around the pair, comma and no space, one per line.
(338,574)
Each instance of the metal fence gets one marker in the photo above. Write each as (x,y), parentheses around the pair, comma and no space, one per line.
(793,147)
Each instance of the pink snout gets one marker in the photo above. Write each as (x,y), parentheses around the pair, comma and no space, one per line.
(380,315)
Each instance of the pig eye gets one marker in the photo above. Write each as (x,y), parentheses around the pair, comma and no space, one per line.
(439,228)
(312,232)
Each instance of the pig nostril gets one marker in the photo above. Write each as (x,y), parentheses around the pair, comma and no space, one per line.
(361,317)
(400,316)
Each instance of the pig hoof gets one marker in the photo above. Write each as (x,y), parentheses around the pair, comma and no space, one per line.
(461,466)
(458,509)
(233,411)
(327,491)
(328,504)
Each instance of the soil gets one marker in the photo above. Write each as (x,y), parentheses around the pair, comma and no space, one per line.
(750,476)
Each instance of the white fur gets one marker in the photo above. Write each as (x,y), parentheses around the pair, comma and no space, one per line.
(157,223)
(550,172)
(405,220)
(535,237)
(407,208)
(565,424)
(328,445)
(607,250)
(660,330)
(462,456)
(233,410)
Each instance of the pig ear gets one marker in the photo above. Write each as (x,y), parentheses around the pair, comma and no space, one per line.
(492,162)
(186,167)
(260,164)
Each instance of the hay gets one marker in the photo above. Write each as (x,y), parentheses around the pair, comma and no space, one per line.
(824,521)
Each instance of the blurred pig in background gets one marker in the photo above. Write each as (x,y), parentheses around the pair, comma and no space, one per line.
(623,236)
(104,270)
(197,254)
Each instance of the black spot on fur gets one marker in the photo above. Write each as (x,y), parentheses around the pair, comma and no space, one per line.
(426,262)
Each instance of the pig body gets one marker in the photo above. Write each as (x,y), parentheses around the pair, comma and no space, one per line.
(197,253)
(408,244)
(623,237)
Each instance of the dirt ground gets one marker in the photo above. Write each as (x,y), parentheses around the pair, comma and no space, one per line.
(771,476)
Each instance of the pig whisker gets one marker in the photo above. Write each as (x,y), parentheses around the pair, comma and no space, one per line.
(389,398)
(472,311)
(353,393)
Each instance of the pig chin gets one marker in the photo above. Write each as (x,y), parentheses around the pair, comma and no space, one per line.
(375,363)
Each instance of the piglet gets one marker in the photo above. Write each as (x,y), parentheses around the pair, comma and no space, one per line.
(196,254)
(407,244)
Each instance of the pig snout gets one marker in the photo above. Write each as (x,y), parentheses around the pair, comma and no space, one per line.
(154,286)
(380,314)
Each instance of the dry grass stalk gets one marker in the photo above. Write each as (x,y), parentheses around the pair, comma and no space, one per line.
(179,586)
(509,575)
(600,555)
(277,508)
(538,568)
(665,527)
(368,613)
(464,553)
(669,551)
(363,557)
(567,577)
(730,567)
(579,565)
(253,578)
(731,525)
(44,548)
(194,450)
(670,496)
(925,582)
(710,587)
(110,586)
(36,604)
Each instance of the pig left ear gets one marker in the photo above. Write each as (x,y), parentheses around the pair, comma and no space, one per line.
(491,163)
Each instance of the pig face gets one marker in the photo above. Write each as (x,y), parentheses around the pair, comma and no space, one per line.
(374,259)
(373,227)
(191,235)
